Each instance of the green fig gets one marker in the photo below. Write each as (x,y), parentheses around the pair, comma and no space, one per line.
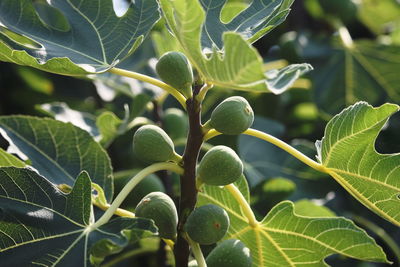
(176,123)
(220,166)
(230,253)
(159,207)
(175,70)
(149,184)
(152,144)
(232,116)
(207,224)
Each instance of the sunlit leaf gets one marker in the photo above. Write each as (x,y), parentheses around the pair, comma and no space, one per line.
(42,226)
(348,153)
(58,150)
(380,16)
(238,66)
(8,160)
(284,238)
(256,20)
(85,35)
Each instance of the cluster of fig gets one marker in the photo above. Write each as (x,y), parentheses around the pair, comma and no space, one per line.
(220,166)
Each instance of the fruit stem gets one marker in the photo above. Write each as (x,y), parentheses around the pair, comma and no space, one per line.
(131,184)
(279,143)
(203,91)
(138,76)
(248,212)
(119,212)
(198,255)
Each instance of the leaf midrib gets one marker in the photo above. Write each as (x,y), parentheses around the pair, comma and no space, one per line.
(42,239)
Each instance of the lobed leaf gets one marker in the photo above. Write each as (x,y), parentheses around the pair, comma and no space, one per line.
(256,20)
(238,65)
(40,225)
(59,151)
(72,37)
(347,152)
(284,238)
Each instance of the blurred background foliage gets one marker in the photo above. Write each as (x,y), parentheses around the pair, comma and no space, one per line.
(354,47)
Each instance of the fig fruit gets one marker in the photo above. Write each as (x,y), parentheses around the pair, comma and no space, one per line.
(159,207)
(176,123)
(175,70)
(232,116)
(220,166)
(229,253)
(152,144)
(149,184)
(207,224)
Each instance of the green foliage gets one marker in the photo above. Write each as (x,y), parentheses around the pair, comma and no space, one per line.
(365,71)
(35,214)
(361,170)
(84,37)
(8,160)
(159,207)
(274,202)
(207,224)
(285,238)
(186,20)
(42,140)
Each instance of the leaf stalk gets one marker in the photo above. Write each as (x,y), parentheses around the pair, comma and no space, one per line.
(138,76)
(279,143)
(248,212)
(131,184)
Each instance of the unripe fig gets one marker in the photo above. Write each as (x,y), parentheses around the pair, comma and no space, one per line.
(207,224)
(230,253)
(175,70)
(149,184)
(161,209)
(176,123)
(232,116)
(152,144)
(220,166)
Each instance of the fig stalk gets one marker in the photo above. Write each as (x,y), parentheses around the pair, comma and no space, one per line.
(188,196)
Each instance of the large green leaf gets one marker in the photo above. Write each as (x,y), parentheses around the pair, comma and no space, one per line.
(238,66)
(42,226)
(58,150)
(284,238)
(72,37)
(347,151)
(256,20)
(367,71)
(8,160)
